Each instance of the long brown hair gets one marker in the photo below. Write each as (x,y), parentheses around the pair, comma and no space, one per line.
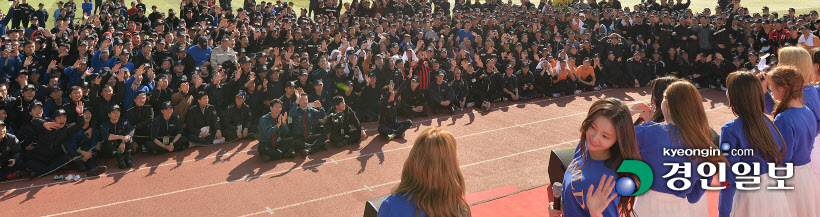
(431,176)
(659,85)
(788,78)
(746,100)
(625,148)
(689,118)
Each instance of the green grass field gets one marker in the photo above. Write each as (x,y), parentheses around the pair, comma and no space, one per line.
(780,6)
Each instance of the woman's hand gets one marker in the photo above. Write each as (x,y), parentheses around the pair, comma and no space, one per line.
(598,200)
(555,213)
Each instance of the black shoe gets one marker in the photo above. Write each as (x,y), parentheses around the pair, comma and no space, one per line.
(34,175)
(452,110)
(289,154)
(80,166)
(265,158)
(304,152)
(120,161)
(127,159)
(153,152)
(339,144)
(96,171)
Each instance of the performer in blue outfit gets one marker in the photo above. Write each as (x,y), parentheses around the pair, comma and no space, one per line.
(797,125)
(685,127)
(751,130)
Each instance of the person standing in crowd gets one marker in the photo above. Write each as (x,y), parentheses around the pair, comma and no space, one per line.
(435,152)
(166,132)
(798,125)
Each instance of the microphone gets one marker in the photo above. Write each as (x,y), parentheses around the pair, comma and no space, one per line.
(557,190)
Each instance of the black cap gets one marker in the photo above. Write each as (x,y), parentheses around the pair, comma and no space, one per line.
(140,92)
(183,79)
(36,103)
(166,105)
(290,84)
(113,107)
(29,87)
(415,78)
(242,94)
(440,73)
(318,82)
(59,112)
(349,83)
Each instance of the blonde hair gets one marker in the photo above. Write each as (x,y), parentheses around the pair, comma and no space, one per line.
(800,59)
(431,176)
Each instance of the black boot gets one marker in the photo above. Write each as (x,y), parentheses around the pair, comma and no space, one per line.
(80,165)
(127,159)
(96,171)
(120,161)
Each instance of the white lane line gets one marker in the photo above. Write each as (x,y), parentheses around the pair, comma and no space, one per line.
(303,167)
(397,181)
(278,172)
(254,149)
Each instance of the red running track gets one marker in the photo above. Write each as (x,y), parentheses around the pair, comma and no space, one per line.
(506,147)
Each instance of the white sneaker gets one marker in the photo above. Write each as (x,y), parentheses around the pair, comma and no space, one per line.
(723,88)
(597,88)
(470,104)
(697,85)
(603,85)
(577,92)
(555,95)
(711,86)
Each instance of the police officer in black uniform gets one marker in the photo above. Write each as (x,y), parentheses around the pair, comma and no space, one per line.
(166,132)
(117,136)
(345,127)
(140,115)
(237,118)
(199,116)
(11,155)
(413,100)
(389,125)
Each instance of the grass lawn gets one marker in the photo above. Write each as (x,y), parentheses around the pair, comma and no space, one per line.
(780,6)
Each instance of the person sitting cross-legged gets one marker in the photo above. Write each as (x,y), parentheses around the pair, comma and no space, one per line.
(305,121)
(166,132)
(389,125)
(202,122)
(272,127)
(345,127)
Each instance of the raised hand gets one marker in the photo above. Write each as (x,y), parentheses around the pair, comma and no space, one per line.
(598,200)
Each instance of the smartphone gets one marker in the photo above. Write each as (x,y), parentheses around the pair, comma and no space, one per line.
(311,104)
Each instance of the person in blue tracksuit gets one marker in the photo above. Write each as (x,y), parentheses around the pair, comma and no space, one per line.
(797,125)
(751,130)
(607,139)
(685,127)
